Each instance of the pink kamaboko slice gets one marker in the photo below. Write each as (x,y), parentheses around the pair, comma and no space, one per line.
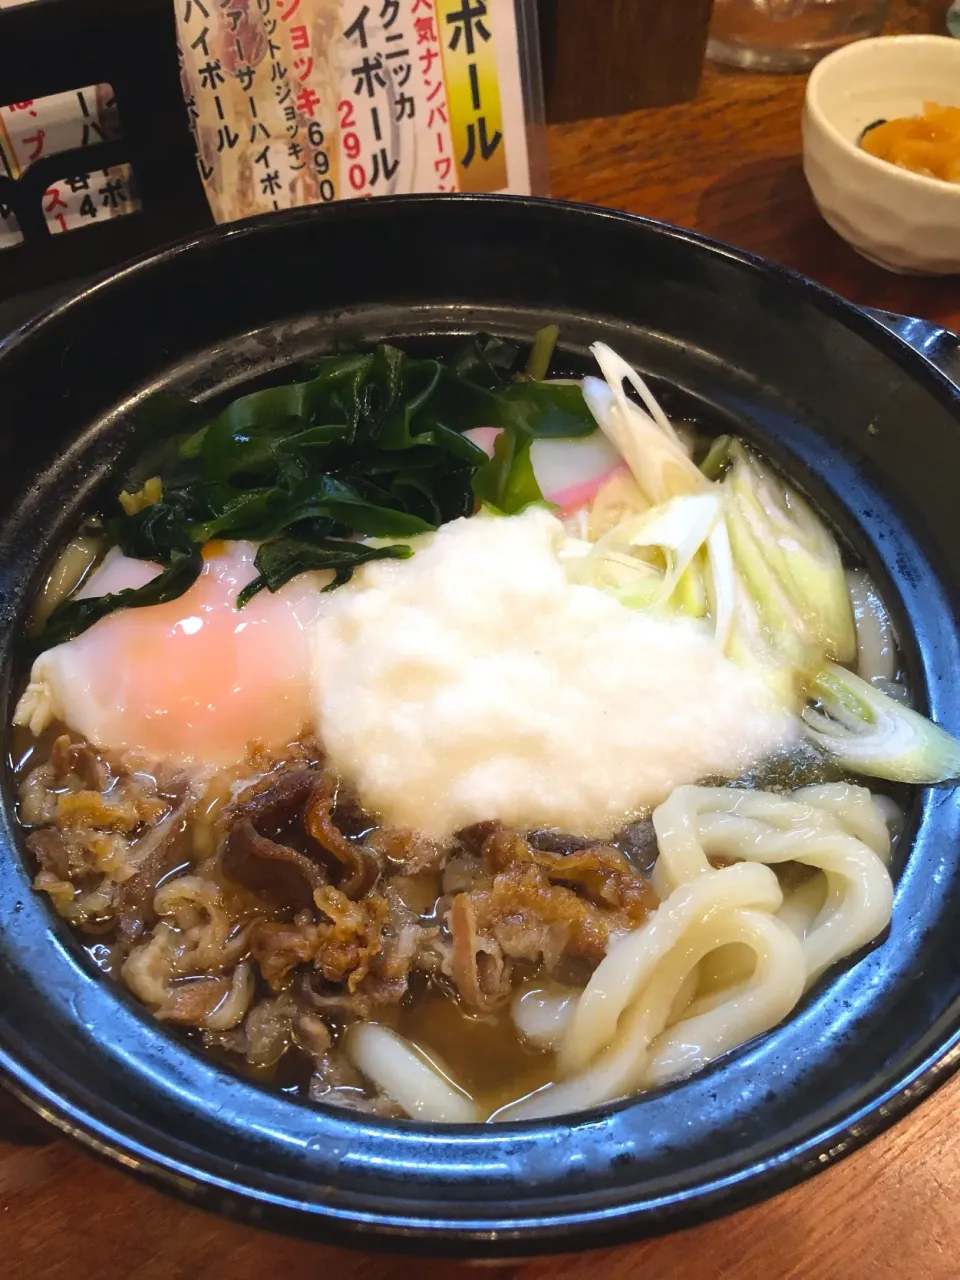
(570,472)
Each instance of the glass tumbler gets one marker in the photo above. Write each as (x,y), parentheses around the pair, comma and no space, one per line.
(788,35)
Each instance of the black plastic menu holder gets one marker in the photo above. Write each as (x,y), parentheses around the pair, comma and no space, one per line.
(53,46)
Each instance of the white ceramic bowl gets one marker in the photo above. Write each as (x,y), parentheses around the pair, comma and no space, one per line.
(901,220)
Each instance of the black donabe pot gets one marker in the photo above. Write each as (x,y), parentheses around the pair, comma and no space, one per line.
(863,423)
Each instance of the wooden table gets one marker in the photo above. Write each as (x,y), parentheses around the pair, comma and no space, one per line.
(727,165)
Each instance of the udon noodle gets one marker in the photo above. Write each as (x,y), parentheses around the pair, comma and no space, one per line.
(640,1022)
(526,779)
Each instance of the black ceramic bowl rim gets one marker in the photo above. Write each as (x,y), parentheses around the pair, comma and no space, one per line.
(506,1190)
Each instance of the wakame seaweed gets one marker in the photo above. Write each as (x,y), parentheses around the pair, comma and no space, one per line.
(284,558)
(367,444)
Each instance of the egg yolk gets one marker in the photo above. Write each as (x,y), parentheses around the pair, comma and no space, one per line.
(195,680)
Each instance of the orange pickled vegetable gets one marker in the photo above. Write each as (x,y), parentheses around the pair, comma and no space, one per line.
(927,144)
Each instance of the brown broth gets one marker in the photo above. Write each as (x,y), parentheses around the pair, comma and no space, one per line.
(483,1053)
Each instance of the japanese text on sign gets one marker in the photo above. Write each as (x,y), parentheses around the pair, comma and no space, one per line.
(295,102)
(41,128)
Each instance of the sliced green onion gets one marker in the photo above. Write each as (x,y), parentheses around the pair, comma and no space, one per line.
(777,613)
(541,353)
(609,566)
(616,370)
(643,437)
(679,529)
(789,558)
(690,593)
(871,733)
(722,581)
(750,646)
(717,460)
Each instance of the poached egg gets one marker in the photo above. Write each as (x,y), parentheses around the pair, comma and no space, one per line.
(195,681)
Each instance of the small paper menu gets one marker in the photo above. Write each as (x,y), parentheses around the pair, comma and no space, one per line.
(295,102)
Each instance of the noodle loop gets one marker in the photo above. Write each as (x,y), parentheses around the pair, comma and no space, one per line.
(643,1019)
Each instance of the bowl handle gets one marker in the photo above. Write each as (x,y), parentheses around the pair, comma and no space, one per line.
(940,346)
